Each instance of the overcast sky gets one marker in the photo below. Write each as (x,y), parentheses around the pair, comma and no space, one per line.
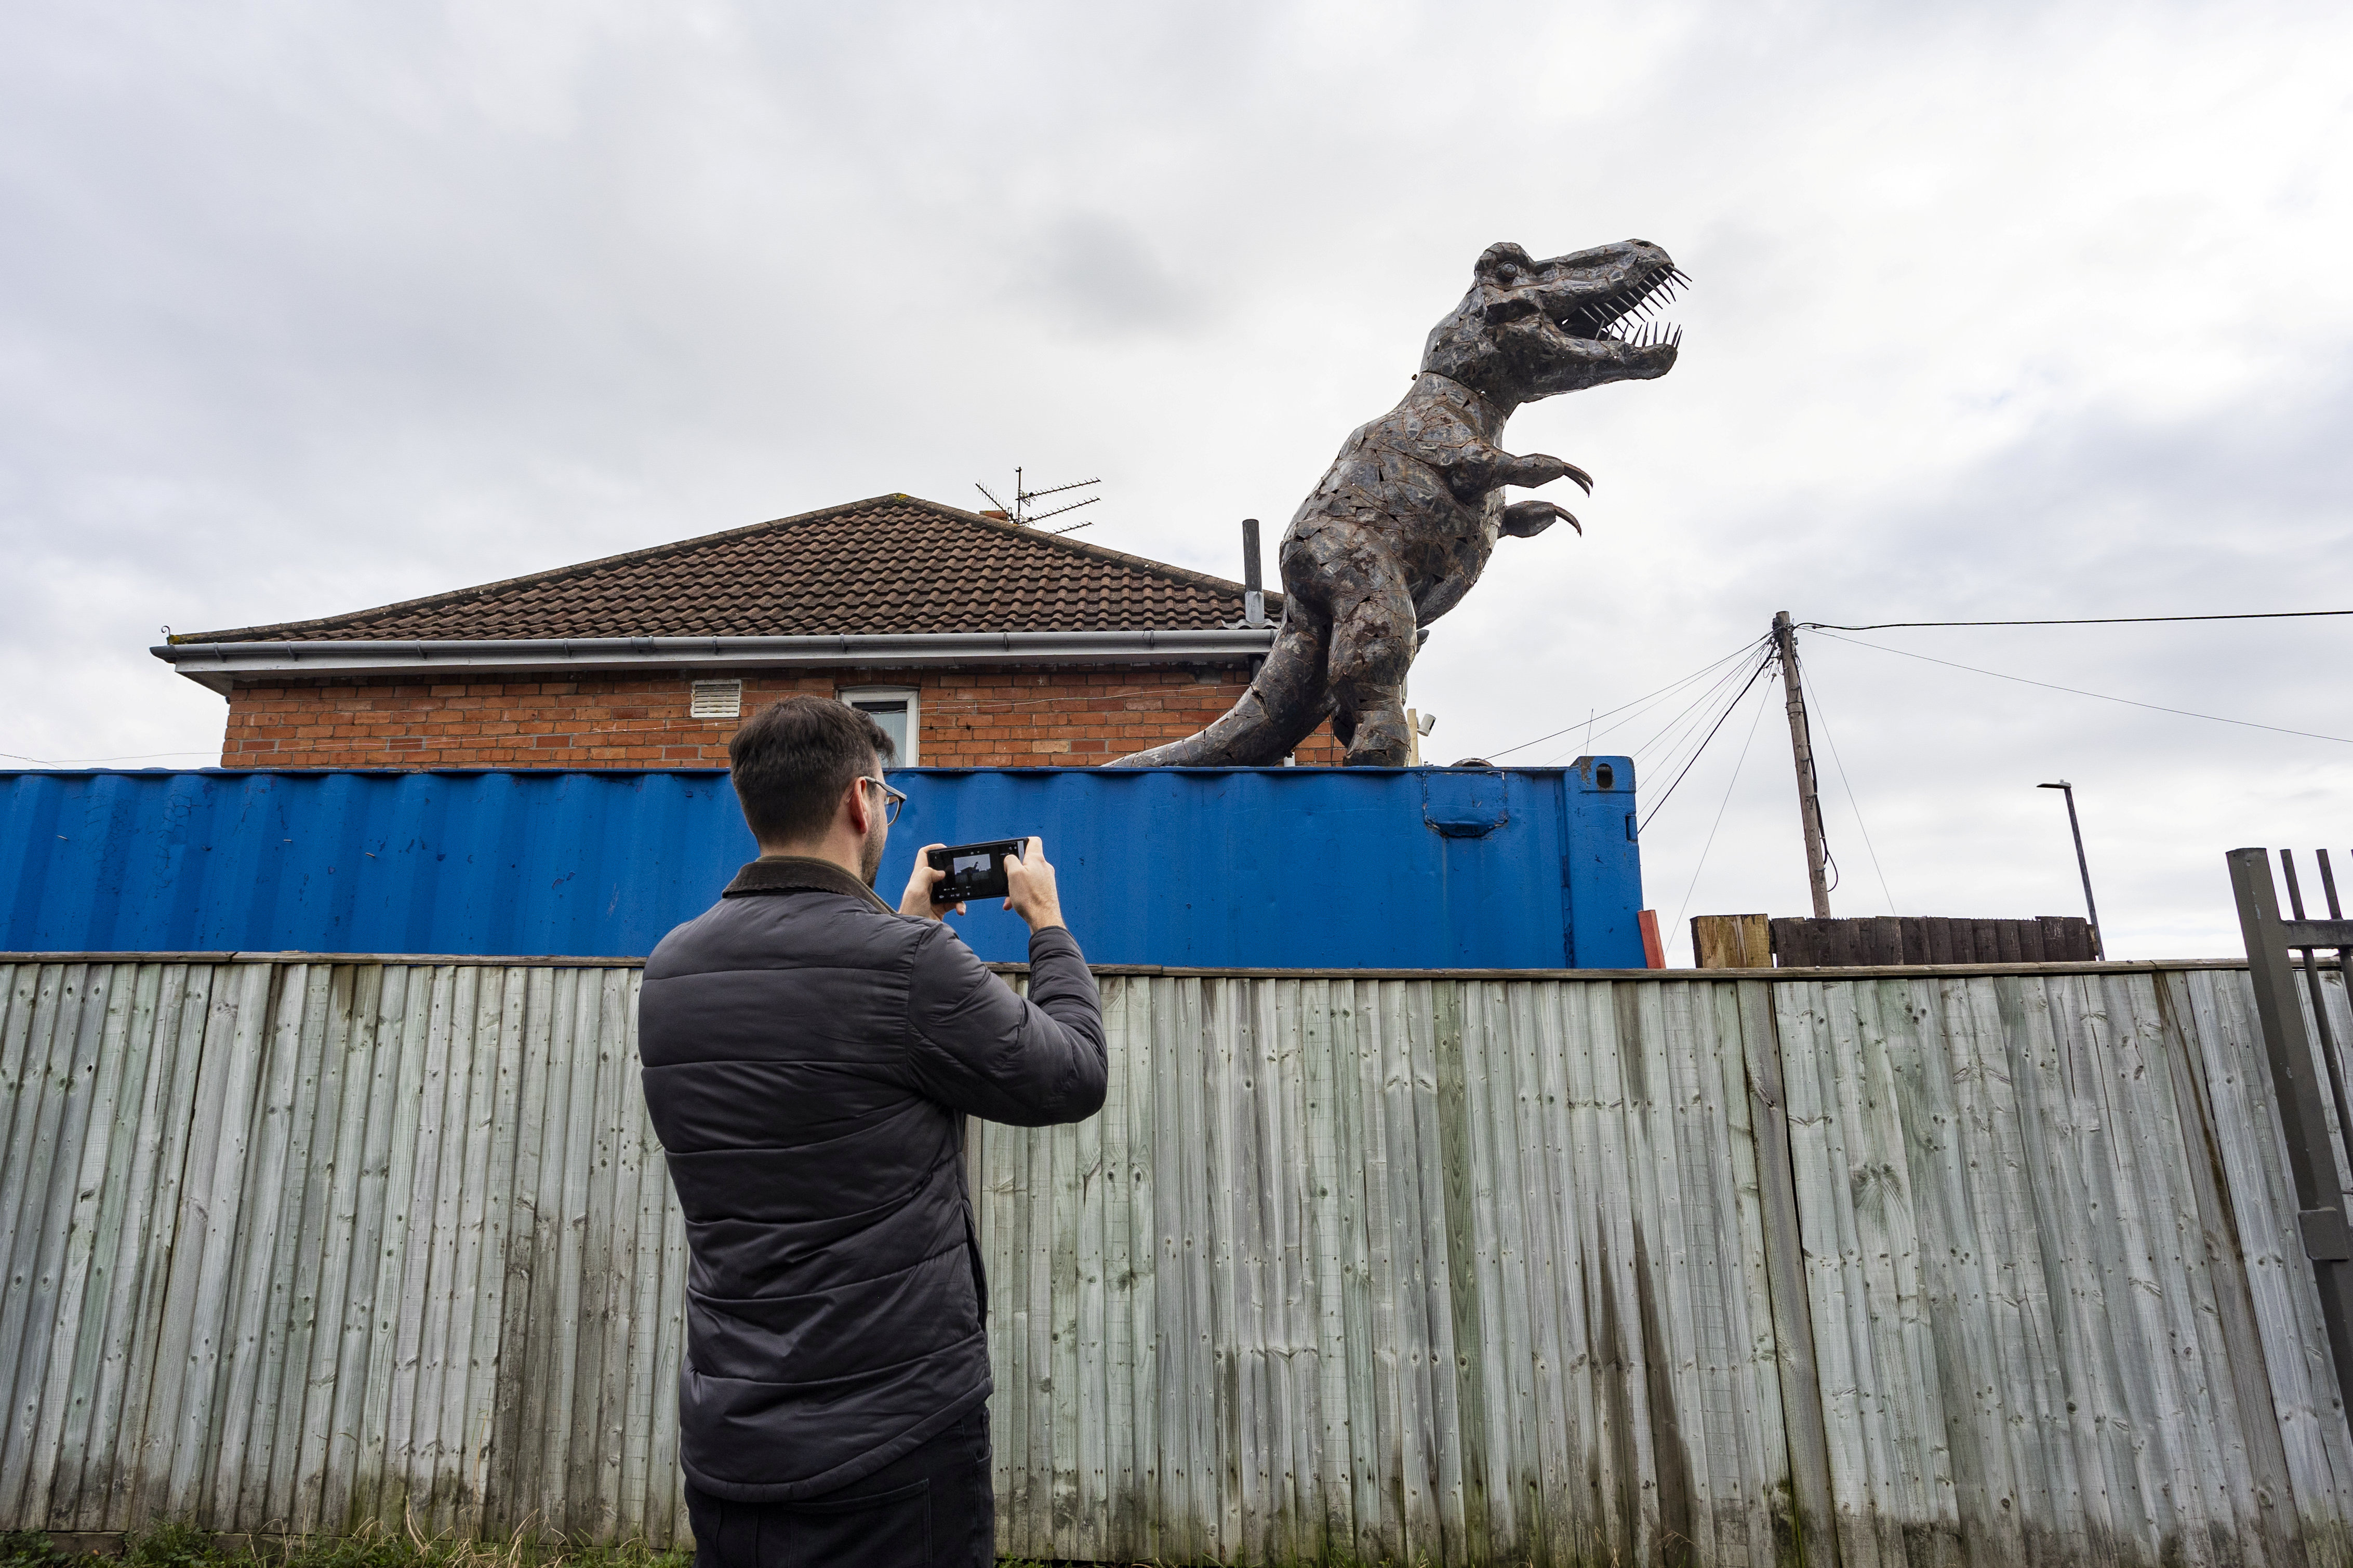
(2002,311)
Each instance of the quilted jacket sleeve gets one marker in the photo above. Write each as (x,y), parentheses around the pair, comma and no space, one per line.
(976,1046)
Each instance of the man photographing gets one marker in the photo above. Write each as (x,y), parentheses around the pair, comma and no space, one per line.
(810,1055)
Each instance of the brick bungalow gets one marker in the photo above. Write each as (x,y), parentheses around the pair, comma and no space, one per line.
(977,641)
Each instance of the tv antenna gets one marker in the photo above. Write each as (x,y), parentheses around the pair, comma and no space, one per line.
(1019,514)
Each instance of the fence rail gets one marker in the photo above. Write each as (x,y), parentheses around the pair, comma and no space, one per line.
(1884,1270)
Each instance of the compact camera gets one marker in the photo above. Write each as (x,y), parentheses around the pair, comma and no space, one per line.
(974,871)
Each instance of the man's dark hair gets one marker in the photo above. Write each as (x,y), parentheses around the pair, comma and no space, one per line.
(792,760)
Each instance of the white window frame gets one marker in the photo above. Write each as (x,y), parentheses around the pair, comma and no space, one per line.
(912,755)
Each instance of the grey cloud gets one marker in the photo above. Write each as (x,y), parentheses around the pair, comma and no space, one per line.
(306,307)
(1089,272)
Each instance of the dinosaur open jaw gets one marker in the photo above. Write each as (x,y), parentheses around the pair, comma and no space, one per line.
(1627,315)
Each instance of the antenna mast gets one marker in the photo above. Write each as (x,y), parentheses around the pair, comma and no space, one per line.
(1021,516)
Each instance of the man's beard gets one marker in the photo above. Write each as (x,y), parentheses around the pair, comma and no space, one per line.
(869,857)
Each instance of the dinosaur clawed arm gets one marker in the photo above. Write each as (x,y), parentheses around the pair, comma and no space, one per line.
(1526,519)
(1537,468)
(1477,468)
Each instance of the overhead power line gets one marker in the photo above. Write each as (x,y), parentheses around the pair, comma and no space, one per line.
(2079,692)
(1623,707)
(1738,763)
(2081,621)
(1762,666)
(78,762)
(1660,750)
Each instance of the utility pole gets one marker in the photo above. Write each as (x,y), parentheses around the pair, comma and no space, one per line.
(2099,949)
(1802,744)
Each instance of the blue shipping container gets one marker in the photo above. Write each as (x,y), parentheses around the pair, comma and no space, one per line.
(1224,869)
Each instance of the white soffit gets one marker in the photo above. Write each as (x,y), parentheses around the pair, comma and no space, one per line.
(219,664)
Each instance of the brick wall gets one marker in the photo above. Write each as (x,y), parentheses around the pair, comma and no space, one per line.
(989,718)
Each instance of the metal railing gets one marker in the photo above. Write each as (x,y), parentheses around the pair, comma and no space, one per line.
(2271,938)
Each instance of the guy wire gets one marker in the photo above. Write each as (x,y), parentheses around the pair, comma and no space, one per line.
(1741,761)
(1819,706)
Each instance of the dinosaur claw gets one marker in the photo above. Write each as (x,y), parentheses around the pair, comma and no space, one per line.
(1583,479)
(1526,519)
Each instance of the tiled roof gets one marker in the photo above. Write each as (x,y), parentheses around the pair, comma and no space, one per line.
(891,564)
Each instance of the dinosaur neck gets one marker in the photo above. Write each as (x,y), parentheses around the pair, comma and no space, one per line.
(1485,412)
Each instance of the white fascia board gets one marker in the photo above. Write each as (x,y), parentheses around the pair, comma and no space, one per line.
(220,665)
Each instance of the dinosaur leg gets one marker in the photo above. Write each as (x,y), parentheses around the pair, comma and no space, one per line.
(1280,708)
(1373,631)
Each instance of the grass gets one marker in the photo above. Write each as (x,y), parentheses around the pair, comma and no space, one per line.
(180,1546)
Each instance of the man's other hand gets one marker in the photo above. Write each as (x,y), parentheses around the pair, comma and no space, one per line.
(916,902)
(1029,879)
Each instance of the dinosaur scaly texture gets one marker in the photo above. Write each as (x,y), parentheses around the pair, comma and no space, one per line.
(1404,522)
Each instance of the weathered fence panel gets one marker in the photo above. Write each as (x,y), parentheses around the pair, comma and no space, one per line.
(1469,1269)
(295,1246)
(2038,1213)
(1466,1270)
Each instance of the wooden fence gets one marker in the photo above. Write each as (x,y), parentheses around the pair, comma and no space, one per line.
(1918,938)
(1883,1271)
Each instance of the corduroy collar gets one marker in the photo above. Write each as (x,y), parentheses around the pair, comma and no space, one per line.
(798,874)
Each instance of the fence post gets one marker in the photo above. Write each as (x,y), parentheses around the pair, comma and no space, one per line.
(1802,1419)
(2320,1216)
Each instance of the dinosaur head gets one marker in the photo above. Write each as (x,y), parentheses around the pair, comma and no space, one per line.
(1533,329)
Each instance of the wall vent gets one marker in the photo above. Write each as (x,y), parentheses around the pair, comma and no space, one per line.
(717,700)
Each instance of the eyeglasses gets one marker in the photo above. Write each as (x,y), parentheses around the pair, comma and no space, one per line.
(892,801)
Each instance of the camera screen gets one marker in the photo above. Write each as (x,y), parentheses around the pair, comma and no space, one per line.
(972,870)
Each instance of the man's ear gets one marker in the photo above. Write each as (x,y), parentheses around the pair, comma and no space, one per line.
(861,804)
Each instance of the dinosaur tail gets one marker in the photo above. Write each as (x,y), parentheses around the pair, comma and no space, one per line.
(1284,703)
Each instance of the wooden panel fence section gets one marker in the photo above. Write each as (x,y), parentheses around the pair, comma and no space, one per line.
(1386,1269)
(1928,939)
(293,1247)
(1992,1270)
(2057,1297)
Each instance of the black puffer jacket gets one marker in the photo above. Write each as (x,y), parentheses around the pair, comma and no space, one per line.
(809,1056)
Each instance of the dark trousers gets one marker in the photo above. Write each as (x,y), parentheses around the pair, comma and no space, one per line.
(930,1509)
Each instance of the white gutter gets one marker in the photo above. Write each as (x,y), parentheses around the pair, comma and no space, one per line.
(218,664)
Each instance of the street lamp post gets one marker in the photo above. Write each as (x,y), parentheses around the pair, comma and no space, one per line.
(2099,949)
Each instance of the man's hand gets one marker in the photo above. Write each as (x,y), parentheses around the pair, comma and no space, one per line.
(1029,879)
(916,902)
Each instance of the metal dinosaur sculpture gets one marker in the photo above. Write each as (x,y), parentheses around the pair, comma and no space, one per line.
(1404,522)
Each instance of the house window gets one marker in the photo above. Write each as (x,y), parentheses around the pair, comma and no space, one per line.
(716,699)
(893,708)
